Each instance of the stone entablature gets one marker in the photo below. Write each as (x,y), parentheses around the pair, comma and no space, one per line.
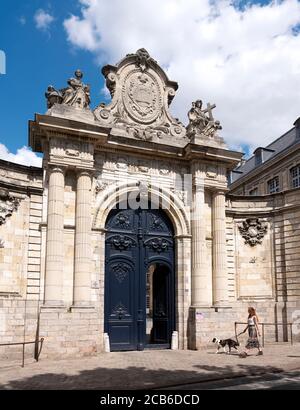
(20,177)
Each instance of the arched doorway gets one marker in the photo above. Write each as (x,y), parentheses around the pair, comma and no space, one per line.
(139,279)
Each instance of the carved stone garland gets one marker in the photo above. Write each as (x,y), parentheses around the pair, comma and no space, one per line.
(253,230)
(8,205)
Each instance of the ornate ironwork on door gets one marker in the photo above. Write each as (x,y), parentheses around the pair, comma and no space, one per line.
(136,241)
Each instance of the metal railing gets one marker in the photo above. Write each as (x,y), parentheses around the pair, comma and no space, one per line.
(37,350)
(263,325)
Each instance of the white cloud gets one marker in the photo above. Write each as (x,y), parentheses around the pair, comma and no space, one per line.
(246,61)
(22,20)
(43,19)
(24,156)
(2,62)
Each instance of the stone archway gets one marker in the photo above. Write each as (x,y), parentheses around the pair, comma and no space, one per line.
(174,208)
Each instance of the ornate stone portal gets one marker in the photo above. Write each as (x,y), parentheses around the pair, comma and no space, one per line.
(55,246)
(131,148)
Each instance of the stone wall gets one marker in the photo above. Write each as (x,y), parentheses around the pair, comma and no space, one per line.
(18,323)
(20,256)
(268,274)
(70,333)
(265,276)
(287,239)
(207,323)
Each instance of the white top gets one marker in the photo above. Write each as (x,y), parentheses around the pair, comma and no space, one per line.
(251,321)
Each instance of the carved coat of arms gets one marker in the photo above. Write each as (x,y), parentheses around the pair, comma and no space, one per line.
(141,94)
(253,231)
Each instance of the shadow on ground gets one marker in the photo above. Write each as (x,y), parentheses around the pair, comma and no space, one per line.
(130,377)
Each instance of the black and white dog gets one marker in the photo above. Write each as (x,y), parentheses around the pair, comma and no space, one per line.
(226,342)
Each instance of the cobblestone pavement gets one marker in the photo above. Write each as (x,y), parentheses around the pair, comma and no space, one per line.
(272,381)
(146,370)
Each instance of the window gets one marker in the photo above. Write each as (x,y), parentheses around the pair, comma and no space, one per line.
(273,185)
(295,176)
(253,192)
(258,156)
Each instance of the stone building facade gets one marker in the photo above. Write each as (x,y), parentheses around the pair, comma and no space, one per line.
(184,258)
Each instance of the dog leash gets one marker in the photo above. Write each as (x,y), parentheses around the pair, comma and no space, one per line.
(237,335)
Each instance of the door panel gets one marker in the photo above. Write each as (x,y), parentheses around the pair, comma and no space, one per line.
(135,239)
(120,302)
(161,309)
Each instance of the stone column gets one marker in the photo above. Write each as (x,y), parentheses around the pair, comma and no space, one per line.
(220,282)
(55,238)
(83,254)
(201,275)
(183,286)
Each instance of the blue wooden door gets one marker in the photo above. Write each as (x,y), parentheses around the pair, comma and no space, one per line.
(136,239)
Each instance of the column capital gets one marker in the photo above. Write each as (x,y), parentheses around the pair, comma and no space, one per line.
(57,168)
(84,172)
(198,181)
(218,190)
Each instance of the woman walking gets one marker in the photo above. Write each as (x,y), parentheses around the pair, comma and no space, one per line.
(253,332)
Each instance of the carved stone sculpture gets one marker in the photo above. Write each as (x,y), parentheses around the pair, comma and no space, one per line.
(141,94)
(143,58)
(77,94)
(53,96)
(201,121)
(253,231)
(8,205)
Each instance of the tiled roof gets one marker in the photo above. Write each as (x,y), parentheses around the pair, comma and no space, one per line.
(270,151)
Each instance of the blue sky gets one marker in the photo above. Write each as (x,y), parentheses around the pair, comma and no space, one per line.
(243,56)
(36,58)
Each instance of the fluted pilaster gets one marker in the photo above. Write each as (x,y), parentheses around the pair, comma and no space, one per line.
(83,253)
(201,275)
(220,282)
